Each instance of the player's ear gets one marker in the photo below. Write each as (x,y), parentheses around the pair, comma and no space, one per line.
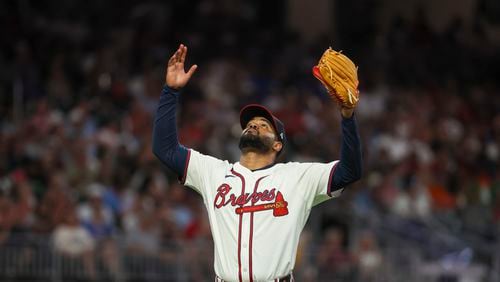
(277,146)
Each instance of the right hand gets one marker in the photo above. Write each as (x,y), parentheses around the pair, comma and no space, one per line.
(176,77)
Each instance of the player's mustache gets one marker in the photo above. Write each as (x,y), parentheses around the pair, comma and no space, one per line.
(250,128)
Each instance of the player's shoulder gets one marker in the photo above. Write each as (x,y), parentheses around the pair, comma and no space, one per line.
(293,164)
(302,165)
(208,160)
(298,163)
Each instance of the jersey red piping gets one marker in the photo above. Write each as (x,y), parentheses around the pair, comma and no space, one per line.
(183,179)
(329,188)
(239,225)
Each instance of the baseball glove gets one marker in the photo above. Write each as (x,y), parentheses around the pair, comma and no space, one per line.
(339,75)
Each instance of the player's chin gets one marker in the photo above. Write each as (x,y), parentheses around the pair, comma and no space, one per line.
(250,142)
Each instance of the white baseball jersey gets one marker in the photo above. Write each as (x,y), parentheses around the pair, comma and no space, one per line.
(256,217)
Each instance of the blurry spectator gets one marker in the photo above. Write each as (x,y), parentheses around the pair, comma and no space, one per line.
(98,219)
(368,257)
(110,258)
(16,205)
(76,246)
(412,200)
(6,217)
(171,251)
(142,242)
(305,269)
(183,215)
(495,196)
(200,250)
(55,204)
(16,242)
(334,261)
(144,237)
(95,216)
(140,222)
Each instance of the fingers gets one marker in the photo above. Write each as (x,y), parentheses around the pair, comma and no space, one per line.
(171,61)
(179,56)
(191,71)
(175,57)
(183,53)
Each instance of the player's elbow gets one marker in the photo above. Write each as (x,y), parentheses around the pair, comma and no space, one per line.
(353,178)
(354,174)
(166,156)
(163,153)
(344,176)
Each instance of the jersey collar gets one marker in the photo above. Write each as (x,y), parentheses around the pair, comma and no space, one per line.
(238,166)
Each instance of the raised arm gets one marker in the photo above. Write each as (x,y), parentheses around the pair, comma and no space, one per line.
(339,75)
(349,168)
(166,145)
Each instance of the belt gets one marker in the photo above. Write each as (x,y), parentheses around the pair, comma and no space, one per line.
(288,278)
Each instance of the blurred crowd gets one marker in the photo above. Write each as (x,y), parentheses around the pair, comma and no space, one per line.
(79,85)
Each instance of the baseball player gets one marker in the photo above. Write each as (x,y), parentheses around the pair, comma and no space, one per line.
(257,207)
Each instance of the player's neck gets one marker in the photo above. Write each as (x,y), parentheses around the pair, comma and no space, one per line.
(253,160)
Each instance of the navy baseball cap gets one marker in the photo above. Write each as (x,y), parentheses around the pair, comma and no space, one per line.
(255,110)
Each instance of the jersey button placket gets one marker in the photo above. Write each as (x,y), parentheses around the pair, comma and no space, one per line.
(244,247)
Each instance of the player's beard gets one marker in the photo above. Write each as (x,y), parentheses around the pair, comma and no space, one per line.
(256,143)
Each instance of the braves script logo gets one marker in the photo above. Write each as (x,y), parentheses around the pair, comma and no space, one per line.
(224,198)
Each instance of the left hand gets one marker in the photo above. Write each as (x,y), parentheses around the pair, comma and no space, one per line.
(176,77)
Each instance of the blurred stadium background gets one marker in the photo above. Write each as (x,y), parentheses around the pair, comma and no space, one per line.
(83,199)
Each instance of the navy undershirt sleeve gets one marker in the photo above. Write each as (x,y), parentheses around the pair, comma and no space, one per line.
(349,168)
(166,145)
